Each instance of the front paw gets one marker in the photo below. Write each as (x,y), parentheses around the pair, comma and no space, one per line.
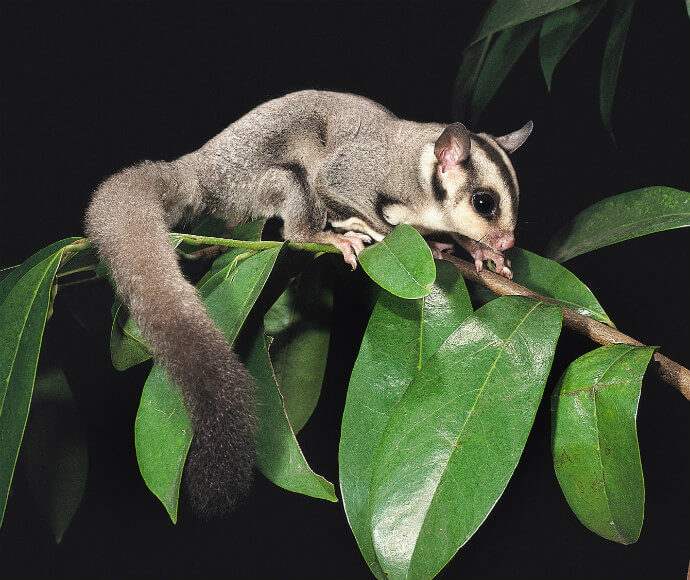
(480,252)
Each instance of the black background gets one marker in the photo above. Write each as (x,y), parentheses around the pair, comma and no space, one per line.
(90,87)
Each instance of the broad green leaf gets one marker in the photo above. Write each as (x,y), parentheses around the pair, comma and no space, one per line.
(401,263)
(279,456)
(561,30)
(621,217)
(552,280)
(613,56)
(456,436)
(400,337)
(470,66)
(508,13)
(594,439)
(502,56)
(163,437)
(127,345)
(6,272)
(299,323)
(18,271)
(23,314)
(54,451)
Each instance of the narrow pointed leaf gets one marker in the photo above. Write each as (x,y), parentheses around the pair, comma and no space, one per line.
(401,263)
(279,456)
(54,451)
(552,280)
(127,345)
(299,323)
(470,66)
(400,337)
(613,56)
(508,13)
(500,59)
(18,271)
(456,436)
(23,314)
(594,439)
(621,217)
(162,432)
(561,30)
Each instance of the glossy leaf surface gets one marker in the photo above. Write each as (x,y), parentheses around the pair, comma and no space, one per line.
(299,323)
(279,456)
(613,56)
(54,452)
(621,217)
(508,13)
(561,30)
(162,429)
(23,313)
(456,435)
(401,263)
(500,59)
(400,337)
(552,280)
(594,439)
(127,345)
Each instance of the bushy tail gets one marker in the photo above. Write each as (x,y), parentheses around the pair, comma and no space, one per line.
(128,221)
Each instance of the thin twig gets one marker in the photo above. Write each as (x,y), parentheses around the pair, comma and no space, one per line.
(670,371)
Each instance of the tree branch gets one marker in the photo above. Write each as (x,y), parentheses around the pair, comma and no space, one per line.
(670,371)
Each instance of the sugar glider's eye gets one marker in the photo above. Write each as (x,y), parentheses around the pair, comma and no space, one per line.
(484,202)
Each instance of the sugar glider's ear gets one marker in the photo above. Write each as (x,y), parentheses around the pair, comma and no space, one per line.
(512,141)
(453,146)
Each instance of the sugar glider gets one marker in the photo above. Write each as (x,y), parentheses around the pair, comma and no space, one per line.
(337,169)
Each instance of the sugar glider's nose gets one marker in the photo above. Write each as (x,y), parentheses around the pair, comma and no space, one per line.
(505,241)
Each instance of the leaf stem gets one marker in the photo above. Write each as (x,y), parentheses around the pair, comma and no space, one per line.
(674,374)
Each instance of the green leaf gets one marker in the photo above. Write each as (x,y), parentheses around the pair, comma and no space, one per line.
(621,217)
(594,439)
(23,313)
(11,279)
(613,56)
(54,451)
(205,226)
(552,280)
(6,272)
(470,66)
(561,30)
(80,261)
(401,263)
(299,323)
(162,430)
(400,337)
(127,345)
(500,59)
(249,231)
(162,436)
(508,13)
(279,456)
(455,438)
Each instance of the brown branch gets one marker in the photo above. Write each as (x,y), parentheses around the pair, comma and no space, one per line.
(670,371)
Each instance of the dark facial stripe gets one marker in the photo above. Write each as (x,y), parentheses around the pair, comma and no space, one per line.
(439,191)
(299,172)
(496,158)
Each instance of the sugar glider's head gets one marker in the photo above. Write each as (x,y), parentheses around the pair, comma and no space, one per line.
(473,184)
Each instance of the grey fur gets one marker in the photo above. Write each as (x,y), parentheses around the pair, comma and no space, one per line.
(310,158)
